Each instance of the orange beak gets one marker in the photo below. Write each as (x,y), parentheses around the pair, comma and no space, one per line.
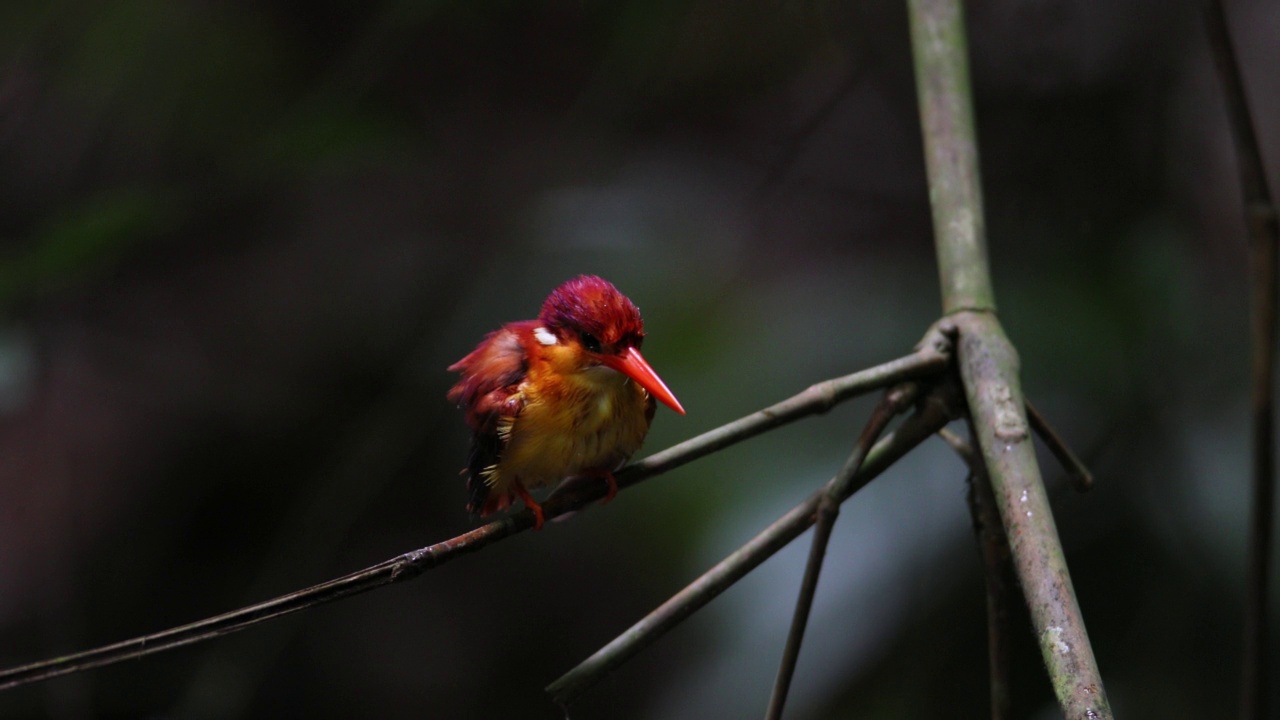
(632,364)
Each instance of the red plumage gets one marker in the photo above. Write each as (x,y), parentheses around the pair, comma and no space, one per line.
(566,394)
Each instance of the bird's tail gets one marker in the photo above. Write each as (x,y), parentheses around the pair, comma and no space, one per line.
(483,500)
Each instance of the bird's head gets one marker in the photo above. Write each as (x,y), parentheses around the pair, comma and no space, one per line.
(587,323)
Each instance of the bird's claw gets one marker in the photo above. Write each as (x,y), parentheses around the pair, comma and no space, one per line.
(613,488)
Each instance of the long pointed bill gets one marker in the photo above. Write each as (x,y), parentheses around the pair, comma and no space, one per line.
(632,364)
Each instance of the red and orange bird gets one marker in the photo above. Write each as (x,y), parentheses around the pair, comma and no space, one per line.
(566,394)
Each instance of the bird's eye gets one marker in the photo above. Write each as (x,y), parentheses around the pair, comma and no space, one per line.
(590,342)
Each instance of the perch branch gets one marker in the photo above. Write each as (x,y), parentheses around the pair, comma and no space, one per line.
(936,411)
(1264,237)
(987,360)
(931,357)
(895,401)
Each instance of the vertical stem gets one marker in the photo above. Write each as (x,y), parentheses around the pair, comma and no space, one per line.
(1264,236)
(951,153)
(988,362)
(989,369)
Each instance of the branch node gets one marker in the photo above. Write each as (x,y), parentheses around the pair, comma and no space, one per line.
(930,416)
(939,339)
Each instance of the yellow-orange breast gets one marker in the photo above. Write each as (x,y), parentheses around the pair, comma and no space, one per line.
(591,420)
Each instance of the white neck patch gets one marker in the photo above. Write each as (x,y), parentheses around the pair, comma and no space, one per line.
(544,336)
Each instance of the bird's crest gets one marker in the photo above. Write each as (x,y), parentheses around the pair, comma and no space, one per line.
(592,305)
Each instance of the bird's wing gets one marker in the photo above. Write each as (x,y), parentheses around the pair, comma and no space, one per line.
(490,375)
(489,391)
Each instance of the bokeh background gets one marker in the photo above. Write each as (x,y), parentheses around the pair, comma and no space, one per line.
(241,241)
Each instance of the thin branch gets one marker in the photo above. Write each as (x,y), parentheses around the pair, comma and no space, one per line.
(931,357)
(373,448)
(997,572)
(935,412)
(998,576)
(397,569)
(961,447)
(1079,475)
(987,360)
(1264,238)
(895,401)
(1253,172)
(796,142)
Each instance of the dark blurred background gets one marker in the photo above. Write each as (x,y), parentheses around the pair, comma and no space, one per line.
(241,241)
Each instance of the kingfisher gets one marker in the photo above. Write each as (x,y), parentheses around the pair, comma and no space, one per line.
(566,394)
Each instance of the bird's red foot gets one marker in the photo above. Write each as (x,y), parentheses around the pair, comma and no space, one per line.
(532,504)
(613,488)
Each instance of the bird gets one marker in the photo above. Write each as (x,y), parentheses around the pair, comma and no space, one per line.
(567,394)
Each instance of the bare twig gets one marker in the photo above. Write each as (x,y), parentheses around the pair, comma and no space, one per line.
(795,143)
(1079,475)
(895,401)
(987,361)
(935,412)
(373,448)
(1264,237)
(997,574)
(961,446)
(997,571)
(930,358)
(400,568)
